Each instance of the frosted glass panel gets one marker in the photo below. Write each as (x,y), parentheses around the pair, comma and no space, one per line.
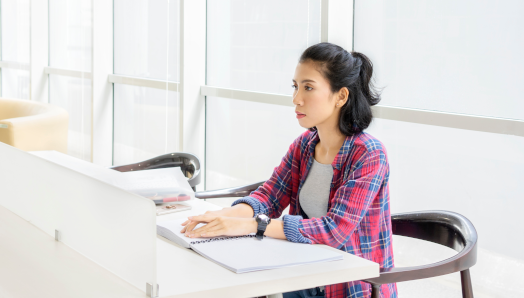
(15,30)
(454,56)
(246,140)
(14,24)
(255,45)
(15,83)
(70,29)
(113,228)
(146,123)
(476,174)
(143,38)
(74,95)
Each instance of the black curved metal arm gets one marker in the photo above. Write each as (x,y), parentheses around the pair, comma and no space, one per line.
(188,163)
(240,191)
(442,227)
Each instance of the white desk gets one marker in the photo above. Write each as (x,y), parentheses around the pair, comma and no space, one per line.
(199,277)
(32,264)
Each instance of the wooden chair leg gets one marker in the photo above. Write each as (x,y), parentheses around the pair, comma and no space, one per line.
(467,288)
(375,291)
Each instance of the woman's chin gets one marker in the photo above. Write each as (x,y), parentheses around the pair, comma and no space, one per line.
(303,124)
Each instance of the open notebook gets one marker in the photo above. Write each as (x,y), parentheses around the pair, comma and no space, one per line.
(246,253)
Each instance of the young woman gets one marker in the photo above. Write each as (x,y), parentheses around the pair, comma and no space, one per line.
(334,177)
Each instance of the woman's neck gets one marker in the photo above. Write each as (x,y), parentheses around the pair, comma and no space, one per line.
(331,139)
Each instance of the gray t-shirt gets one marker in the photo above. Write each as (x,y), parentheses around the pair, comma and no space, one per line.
(314,194)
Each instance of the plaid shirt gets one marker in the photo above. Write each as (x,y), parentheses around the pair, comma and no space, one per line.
(358,218)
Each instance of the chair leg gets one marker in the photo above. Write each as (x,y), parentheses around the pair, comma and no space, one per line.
(467,288)
(375,291)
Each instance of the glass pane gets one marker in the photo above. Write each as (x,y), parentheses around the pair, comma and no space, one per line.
(145,123)
(143,39)
(15,30)
(14,18)
(15,83)
(236,151)
(255,45)
(70,30)
(74,95)
(454,56)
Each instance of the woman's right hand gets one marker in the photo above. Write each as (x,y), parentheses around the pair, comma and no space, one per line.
(190,225)
(240,210)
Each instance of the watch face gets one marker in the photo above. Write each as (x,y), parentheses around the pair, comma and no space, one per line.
(263,217)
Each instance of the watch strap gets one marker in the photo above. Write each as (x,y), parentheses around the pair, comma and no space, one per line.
(261,228)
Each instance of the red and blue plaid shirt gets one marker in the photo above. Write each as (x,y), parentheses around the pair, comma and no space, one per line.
(358,218)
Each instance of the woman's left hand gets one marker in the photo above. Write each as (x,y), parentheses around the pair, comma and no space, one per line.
(222,226)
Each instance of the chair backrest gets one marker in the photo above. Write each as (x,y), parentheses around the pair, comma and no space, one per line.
(442,227)
(188,163)
(239,191)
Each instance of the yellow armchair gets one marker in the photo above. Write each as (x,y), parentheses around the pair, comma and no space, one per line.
(33,126)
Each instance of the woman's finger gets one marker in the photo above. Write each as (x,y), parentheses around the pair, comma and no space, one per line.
(197,232)
(184,226)
(190,226)
(202,218)
(213,233)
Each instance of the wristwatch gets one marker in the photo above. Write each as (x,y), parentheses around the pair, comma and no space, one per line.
(263,221)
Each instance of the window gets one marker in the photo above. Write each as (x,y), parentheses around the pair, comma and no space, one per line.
(255,46)
(70,48)
(459,57)
(146,45)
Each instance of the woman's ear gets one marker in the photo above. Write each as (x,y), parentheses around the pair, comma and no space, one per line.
(342,96)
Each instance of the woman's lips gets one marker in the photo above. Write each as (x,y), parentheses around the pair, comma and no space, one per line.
(300,115)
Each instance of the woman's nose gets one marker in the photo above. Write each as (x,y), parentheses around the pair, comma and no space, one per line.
(297,98)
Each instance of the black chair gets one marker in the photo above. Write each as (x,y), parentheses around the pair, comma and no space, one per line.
(188,163)
(442,227)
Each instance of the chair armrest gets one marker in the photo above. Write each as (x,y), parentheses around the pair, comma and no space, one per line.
(459,262)
(46,131)
(240,191)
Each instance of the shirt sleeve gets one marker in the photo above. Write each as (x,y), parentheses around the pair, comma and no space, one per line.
(351,203)
(274,195)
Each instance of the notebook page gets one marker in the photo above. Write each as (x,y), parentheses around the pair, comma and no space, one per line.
(250,254)
(245,254)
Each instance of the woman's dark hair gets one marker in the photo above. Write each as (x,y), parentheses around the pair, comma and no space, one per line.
(353,71)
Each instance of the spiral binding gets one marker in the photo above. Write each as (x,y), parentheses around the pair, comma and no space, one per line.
(223,238)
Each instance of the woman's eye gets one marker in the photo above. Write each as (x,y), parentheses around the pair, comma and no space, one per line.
(294,86)
(309,88)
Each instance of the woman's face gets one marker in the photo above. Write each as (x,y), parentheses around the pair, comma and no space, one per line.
(315,104)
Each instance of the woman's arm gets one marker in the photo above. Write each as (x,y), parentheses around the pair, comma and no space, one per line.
(351,203)
(232,226)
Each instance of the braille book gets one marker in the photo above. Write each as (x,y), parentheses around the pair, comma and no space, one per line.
(242,254)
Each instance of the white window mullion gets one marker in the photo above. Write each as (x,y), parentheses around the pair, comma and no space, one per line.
(39,51)
(339,23)
(192,76)
(102,67)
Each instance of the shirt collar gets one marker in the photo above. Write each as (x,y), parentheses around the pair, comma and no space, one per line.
(342,155)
